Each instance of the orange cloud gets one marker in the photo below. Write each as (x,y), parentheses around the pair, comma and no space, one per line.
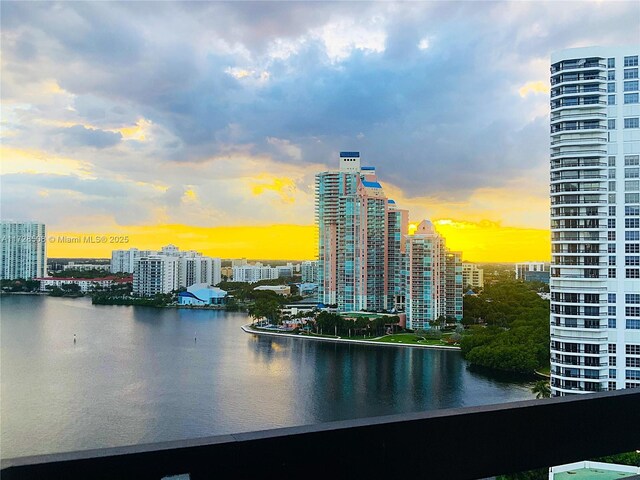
(283,186)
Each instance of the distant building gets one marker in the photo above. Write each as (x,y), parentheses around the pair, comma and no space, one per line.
(397,228)
(23,250)
(82,267)
(530,271)
(433,278)
(85,284)
(284,271)
(279,289)
(241,262)
(254,273)
(124,261)
(309,270)
(201,294)
(472,275)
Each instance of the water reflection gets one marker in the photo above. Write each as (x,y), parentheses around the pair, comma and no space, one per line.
(137,375)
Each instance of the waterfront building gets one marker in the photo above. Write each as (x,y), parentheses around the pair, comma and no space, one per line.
(351,214)
(595,220)
(309,271)
(472,276)
(85,284)
(433,278)
(397,228)
(156,274)
(201,294)
(23,250)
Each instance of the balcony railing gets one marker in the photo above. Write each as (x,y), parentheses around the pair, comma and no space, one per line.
(511,436)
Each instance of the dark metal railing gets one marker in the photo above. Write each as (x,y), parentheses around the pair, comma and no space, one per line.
(464,443)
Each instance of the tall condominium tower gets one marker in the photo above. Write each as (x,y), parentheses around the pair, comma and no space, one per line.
(595,216)
(433,278)
(23,250)
(397,228)
(351,214)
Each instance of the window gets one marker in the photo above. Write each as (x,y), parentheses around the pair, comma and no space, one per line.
(612,211)
(632,185)
(611,298)
(612,261)
(611,87)
(631,349)
(632,235)
(611,75)
(611,310)
(612,372)
(611,63)
(612,198)
(633,323)
(611,100)
(612,348)
(632,172)
(631,198)
(630,73)
(630,98)
(633,122)
(632,298)
(612,361)
(611,236)
(632,261)
(612,173)
(632,248)
(631,160)
(612,186)
(632,374)
(632,210)
(611,248)
(611,223)
(632,223)
(631,86)
(632,273)
(611,124)
(631,61)
(612,273)
(612,161)
(632,311)
(631,385)
(633,362)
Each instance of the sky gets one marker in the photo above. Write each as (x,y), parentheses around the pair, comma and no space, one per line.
(202,124)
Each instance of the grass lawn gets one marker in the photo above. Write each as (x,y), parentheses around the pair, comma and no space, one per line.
(545,370)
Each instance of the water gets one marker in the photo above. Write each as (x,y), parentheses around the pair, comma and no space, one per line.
(137,375)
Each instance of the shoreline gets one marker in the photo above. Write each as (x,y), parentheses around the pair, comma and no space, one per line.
(247,329)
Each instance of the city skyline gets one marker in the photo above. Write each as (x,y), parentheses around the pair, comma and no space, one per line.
(203,125)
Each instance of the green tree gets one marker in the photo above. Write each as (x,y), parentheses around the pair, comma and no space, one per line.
(541,389)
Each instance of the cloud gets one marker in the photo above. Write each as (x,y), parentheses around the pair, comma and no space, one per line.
(533,88)
(447,99)
(80,136)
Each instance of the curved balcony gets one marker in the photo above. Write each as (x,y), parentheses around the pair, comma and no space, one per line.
(572,363)
(573,153)
(577,78)
(583,64)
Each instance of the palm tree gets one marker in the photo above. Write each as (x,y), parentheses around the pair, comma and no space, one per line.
(541,389)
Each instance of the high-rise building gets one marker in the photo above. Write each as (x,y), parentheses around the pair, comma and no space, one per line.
(156,274)
(23,250)
(397,228)
(309,271)
(433,278)
(351,214)
(124,261)
(595,220)
(151,274)
(472,276)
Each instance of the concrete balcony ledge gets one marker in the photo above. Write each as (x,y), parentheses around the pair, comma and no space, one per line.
(466,443)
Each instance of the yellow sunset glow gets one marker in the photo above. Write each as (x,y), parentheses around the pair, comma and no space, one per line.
(479,242)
